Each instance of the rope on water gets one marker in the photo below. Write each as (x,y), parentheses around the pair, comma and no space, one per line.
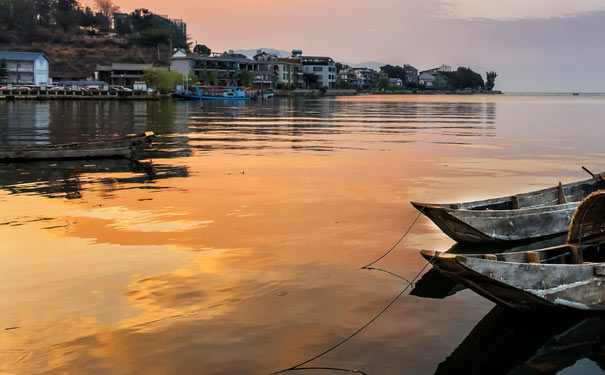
(298,366)
(367,266)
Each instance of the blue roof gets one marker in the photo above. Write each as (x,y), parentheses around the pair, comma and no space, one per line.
(27,56)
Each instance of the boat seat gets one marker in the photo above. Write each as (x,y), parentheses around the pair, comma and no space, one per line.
(532,257)
(577,255)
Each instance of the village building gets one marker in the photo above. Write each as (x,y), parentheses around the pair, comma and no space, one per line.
(121,74)
(26,68)
(323,67)
(284,72)
(361,78)
(411,74)
(433,80)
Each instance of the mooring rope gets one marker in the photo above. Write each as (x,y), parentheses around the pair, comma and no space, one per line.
(368,267)
(298,366)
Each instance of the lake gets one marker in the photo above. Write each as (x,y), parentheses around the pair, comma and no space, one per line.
(234,246)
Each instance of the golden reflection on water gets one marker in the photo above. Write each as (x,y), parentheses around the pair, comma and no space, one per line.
(249,262)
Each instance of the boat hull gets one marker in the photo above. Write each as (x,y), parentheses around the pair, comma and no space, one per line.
(122,147)
(527,286)
(497,226)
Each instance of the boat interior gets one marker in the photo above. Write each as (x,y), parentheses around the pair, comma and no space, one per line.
(561,194)
(564,254)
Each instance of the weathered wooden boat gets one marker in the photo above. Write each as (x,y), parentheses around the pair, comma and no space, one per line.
(522,217)
(125,147)
(568,276)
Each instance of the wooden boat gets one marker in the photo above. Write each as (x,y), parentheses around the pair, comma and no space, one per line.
(568,276)
(522,217)
(100,148)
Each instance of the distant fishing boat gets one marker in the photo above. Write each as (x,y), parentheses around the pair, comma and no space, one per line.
(125,147)
(564,277)
(215,93)
(520,217)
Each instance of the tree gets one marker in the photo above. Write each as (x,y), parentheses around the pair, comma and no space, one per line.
(17,15)
(106,7)
(66,13)
(463,78)
(162,80)
(201,49)
(393,71)
(491,80)
(3,72)
(310,79)
(213,77)
(246,77)
(383,82)
(43,10)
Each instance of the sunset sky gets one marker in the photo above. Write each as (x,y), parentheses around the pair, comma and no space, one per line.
(533,45)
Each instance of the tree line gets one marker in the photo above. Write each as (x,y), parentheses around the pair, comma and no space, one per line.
(461,78)
(141,26)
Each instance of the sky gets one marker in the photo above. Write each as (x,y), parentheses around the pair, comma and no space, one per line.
(533,45)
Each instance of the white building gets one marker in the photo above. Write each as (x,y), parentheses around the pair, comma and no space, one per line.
(395,82)
(27,68)
(323,67)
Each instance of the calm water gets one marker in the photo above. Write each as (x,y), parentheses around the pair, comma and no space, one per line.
(234,246)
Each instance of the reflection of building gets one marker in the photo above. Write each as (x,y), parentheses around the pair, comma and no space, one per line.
(26,67)
(121,74)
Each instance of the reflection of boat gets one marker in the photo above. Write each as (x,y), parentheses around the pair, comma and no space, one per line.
(99,148)
(525,343)
(216,93)
(519,217)
(68,178)
(567,276)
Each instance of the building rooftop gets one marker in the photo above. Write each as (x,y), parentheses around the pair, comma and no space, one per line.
(23,56)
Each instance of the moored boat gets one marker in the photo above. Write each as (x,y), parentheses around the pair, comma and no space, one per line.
(215,93)
(521,217)
(125,147)
(568,276)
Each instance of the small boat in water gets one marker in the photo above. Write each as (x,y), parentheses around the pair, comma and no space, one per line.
(568,276)
(215,93)
(115,147)
(521,217)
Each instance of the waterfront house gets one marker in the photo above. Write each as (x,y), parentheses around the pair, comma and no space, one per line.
(226,65)
(284,72)
(361,78)
(435,80)
(426,80)
(411,74)
(322,66)
(121,74)
(27,68)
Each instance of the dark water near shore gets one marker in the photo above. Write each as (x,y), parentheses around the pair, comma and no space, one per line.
(234,245)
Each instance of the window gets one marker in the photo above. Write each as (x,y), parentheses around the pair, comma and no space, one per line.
(318,69)
(320,77)
(285,76)
(307,69)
